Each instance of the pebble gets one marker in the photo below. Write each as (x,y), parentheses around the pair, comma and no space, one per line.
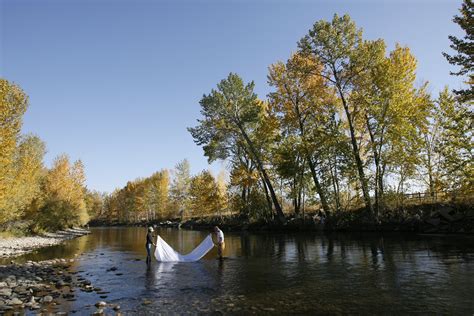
(47,299)
(116,308)
(14,301)
(5,292)
(101,304)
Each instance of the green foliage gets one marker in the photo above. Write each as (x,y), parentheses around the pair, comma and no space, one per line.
(234,119)
(464,47)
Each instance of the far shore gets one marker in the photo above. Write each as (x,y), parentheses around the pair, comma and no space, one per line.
(441,219)
(15,246)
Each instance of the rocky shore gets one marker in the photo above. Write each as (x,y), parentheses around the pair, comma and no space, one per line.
(42,287)
(10,247)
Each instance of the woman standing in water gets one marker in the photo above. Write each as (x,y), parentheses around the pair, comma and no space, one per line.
(149,242)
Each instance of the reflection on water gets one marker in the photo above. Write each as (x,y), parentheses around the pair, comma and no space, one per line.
(268,272)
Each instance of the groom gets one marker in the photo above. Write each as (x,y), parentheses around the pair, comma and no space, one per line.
(220,241)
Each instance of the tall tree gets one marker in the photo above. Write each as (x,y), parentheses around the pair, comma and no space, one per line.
(13,104)
(303,101)
(464,47)
(180,186)
(231,114)
(394,112)
(339,47)
(455,143)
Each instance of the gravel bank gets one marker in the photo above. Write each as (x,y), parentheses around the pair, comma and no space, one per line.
(41,286)
(10,247)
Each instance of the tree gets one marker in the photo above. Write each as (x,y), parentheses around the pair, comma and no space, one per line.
(464,58)
(298,97)
(339,47)
(204,195)
(454,145)
(231,114)
(157,192)
(394,112)
(13,104)
(180,186)
(64,192)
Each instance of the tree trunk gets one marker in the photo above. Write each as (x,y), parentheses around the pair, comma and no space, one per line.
(319,189)
(356,153)
(278,209)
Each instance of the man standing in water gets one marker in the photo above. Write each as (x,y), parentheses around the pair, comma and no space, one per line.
(220,241)
(149,242)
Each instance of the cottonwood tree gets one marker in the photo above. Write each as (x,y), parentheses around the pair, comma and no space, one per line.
(344,55)
(13,104)
(304,104)
(180,185)
(395,112)
(64,194)
(230,116)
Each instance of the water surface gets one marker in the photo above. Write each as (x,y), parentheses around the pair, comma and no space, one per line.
(276,273)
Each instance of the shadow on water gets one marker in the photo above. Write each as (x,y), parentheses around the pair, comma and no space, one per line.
(265,272)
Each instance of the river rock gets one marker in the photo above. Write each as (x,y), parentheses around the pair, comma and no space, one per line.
(100,311)
(5,292)
(47,299)
(116,308)
(35,306)
(101,304)
(14,301)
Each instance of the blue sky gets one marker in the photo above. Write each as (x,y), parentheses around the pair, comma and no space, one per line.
(116,83)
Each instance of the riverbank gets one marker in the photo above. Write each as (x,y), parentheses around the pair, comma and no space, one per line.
(15,246)
(43,287)
(425,218)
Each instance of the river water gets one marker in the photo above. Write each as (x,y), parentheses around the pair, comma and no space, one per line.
(275,273)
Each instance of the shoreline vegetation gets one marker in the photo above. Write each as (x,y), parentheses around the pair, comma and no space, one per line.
(427,219)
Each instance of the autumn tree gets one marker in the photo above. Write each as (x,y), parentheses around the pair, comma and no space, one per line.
(64,195)
(344,55)
(204,195)
(231,114)
(395,112)
(13,104)
(179,190)
(305,106)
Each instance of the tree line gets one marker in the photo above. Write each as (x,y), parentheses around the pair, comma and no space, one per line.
(345,122)
(32,197)
(166,194)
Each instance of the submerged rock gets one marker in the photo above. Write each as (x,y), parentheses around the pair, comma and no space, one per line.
(101,304)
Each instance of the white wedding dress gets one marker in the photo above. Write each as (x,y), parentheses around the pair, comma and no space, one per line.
(164,252)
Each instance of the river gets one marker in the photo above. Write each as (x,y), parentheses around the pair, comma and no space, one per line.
(275,273)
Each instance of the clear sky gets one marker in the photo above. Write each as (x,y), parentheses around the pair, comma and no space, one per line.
(115,83)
